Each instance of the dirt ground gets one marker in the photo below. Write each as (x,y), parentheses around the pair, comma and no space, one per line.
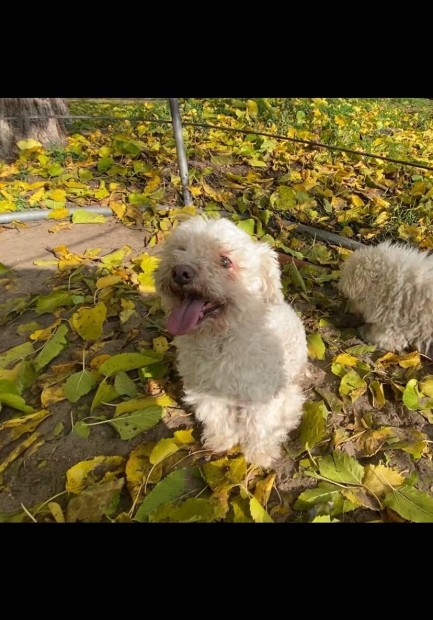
(41,475)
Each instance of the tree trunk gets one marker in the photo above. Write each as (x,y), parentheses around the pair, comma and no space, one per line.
(49,131)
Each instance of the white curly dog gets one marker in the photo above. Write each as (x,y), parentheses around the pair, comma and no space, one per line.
(391,286)
(240,346)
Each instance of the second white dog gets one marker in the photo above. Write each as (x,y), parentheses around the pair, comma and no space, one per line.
(391,286)
(240,346)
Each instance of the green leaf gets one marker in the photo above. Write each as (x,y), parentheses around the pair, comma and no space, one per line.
(55,170)
(340,467)
(125,386)
(411,504)
(169,489)
(316,347)
(14,354)
(411,395)
(49,303)
(313,423)
(88,322)
(283,198)
(104,394)
(352,384)
(79,384)
(128,361)
(105,163)
(156,371)
(324,519)
(324,492)
(333,402)
(87,217)
(162,450)
(246,225)
(361,349)
(258,513)
(52,347)
(8,387)
(192,510)
(130,425)
(82,429)
(16,402)
(296,278)
(95,502)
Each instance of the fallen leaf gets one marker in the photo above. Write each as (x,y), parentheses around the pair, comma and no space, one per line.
(88,322)
(97,469)
(316,347)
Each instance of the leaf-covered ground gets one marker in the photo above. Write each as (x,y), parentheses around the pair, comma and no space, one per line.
(91,422)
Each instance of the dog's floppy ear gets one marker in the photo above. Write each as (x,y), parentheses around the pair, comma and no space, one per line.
(270,281)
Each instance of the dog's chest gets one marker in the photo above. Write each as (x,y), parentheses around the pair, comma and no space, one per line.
(222,367)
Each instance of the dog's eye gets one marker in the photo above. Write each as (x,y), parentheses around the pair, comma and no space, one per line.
(182,248)
(225,262)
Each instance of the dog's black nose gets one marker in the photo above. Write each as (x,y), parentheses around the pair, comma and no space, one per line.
(183,274)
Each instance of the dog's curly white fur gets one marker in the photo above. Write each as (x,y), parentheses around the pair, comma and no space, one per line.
(391,286)
(240,346)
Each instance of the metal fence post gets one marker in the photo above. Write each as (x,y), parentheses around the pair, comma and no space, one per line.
(180,149)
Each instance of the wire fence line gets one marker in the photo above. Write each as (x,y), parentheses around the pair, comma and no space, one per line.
(312,143)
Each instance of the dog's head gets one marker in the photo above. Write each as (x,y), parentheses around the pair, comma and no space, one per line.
(359,276)
(211,272)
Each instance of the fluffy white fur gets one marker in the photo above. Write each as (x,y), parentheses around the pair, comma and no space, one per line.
(391,286)
(240,364)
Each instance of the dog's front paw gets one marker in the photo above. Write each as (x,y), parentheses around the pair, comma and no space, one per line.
(263,457)
(218,444)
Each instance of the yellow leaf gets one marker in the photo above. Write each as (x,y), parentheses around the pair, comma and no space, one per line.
(59,195)
(136,404)
(88,322)
(110,280)
(184,437)
(357,201)
(152,185)
(51,395)
(376,389)
(346,359)
(162,450)
(379,480)
(25,145)
(118,209)
(44,334)
(138,469)
(347,231)
(128,310)
(339,120)
(58,214)
(410,360)
(6,206)
(22,447)
(258,513)
(10,430)
(316,346)
(98,469)
(426,385)
(252,108)
(147,283)
(263,489)
(36,197)
(57,512)
(99,360)
(160,345)
(387,359)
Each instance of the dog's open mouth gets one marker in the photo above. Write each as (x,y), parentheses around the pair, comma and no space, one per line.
(191,312)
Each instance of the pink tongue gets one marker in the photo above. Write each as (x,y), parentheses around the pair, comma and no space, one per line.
(184,318)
